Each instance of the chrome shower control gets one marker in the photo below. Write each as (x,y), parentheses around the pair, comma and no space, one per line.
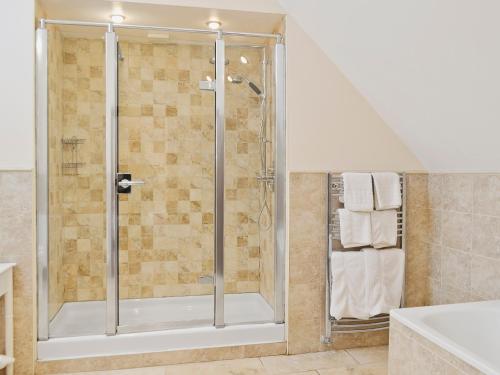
(125,183)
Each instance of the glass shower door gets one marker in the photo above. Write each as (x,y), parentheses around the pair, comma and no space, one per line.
(166,209)
(249,257)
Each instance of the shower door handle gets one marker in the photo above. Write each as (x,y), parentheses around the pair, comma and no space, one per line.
(125,183)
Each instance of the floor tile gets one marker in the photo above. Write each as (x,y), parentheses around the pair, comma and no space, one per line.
(364,361)
(251,366)
(136,371)
(370,355)
(370,369)
(305,362)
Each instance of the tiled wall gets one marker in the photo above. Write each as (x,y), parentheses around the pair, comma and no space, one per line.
(459,230)
(83,188)
(16,245)
(56,289)
(167,139)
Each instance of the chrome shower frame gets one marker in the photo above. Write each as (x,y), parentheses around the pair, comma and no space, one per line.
(42,214)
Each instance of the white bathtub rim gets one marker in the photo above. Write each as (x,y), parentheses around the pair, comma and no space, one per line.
(407,317)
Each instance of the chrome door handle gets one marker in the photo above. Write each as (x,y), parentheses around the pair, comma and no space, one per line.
(127,183)
(124,183)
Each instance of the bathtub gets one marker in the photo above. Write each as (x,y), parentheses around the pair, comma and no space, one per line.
(469,333)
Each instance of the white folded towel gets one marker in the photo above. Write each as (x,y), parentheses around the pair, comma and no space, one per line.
(348,296)
(384,275)
(358,191)
(355,228)
(387,190)
(384,228)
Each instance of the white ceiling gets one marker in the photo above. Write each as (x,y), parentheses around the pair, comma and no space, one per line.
(430,68)
(166,13)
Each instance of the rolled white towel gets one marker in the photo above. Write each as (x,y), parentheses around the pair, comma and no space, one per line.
(355,228)
(384,228)
(384,270)
(348,295)
(358,191)
(387,190)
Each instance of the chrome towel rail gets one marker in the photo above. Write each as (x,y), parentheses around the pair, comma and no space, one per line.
(335,202)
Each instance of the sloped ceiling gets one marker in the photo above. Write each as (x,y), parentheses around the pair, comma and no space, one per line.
(430,68)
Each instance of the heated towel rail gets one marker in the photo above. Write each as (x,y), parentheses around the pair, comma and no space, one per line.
(335,201)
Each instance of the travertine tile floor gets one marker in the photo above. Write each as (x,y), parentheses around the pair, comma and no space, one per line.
(362,361)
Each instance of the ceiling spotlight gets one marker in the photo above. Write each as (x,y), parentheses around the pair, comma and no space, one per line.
(243,59)
(214,25)
(117,18)
(230,79)
(209,79)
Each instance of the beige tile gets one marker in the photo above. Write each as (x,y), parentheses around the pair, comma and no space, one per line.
(237,366)
(369,355)
(487,194)
(458,192)
(417,190)
(435,263)
(399,354)
(435,191)
(457,230)
(305,362)
(370,369)
(485,277)
(486,236)
(136,371)
(456,268)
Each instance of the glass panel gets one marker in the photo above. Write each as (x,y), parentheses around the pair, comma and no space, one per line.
(249,240)
(77,258)
(166,140)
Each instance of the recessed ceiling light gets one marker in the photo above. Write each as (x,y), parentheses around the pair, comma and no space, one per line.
(117,18)
(214,25)
(243,59)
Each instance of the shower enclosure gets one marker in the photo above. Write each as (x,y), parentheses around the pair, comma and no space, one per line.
(160,181)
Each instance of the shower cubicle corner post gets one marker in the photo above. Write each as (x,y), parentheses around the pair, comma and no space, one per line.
(42,182)
(219,182)
(111,54)
(280,176)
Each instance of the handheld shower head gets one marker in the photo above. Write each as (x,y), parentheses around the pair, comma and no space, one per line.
(237,79)
(254,88)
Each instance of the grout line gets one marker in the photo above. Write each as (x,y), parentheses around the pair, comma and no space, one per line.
(353,357)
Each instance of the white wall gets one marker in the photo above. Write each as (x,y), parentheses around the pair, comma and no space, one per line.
(17,85)
(430,68)
(330,126)
(266,6)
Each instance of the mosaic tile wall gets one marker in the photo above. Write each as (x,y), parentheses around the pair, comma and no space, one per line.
(56,288)
(83,187)
(166,139)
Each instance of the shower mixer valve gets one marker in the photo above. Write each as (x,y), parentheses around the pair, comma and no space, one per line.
(267,177)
